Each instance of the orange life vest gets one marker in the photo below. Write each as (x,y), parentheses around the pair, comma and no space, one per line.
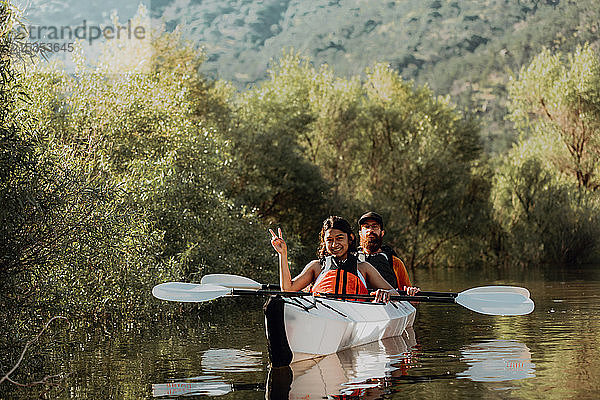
(339,279)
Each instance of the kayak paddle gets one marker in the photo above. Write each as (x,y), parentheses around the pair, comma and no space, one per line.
(484,300)
(241,282)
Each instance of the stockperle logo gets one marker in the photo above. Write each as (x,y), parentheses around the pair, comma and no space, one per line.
(52,29)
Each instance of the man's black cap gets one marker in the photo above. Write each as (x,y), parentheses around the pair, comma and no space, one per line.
(371,215)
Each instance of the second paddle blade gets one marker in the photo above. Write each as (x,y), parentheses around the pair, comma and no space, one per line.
(231,281)
(189,292)
(496,303)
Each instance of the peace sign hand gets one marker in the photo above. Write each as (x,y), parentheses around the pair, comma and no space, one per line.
(277,242)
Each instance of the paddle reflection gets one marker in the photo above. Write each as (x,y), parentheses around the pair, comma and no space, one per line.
(497,361)
(215,361)
(201,386)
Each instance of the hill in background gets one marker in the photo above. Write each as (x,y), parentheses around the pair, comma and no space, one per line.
(464,49)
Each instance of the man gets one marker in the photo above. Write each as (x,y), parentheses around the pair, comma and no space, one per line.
(383,258)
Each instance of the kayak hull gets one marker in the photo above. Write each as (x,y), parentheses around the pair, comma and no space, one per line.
(316,326)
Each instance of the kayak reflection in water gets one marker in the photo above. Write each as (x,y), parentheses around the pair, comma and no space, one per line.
(337,270)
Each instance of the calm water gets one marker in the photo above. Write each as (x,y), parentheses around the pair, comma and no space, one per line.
(553,353)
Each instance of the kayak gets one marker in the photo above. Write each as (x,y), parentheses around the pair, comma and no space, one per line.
(300,325)
(301,328)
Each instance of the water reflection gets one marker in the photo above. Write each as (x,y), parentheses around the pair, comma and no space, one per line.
(376,369)
(497,361)
(353,371)
(368,371)
(231,360)
(215,361)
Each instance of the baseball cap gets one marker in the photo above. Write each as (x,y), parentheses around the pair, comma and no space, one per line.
(371,215)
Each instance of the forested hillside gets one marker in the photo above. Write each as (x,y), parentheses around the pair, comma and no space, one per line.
(465,49)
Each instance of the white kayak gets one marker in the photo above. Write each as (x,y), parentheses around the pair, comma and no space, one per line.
(317,326)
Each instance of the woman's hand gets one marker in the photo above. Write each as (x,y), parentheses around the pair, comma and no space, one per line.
(278,243)
(411,290)
(381,296)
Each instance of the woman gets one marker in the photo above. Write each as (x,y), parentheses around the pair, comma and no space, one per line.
(337,244)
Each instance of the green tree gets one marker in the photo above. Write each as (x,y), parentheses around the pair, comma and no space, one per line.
(418,153)
(51,211)
(546,219)
(55,223)
(557,98)
(378,143)
(545,193)
(113,180)
(270,170)
(388,145)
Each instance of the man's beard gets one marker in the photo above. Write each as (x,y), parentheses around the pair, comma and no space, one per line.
(371,243)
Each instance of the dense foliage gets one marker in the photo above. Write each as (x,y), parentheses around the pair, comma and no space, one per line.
(119,176)
(112,183)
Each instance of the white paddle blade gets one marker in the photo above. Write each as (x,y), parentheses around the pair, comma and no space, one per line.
(495,303)
(231,281)
(189,292)
(503,289)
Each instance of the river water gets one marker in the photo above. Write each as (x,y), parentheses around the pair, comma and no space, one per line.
(553,353)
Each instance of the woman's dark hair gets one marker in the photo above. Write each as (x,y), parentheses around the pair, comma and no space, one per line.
(335,222)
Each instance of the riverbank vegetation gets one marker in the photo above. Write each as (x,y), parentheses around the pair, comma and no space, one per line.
(117,177)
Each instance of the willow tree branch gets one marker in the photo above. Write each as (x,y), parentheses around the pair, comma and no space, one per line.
(47,380)
(29,343)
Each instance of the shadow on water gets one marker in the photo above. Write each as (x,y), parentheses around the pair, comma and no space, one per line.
(369,371)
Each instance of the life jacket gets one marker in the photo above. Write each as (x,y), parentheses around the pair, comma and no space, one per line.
(339,277)
(383,263)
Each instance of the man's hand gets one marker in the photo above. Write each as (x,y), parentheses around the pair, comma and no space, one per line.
(411,290)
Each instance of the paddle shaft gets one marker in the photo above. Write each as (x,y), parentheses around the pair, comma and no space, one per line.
(240,282)
(272,286)
(431,299)
(401,297)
